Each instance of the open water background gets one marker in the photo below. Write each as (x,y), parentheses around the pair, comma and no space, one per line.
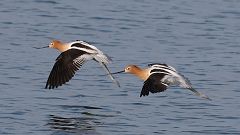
(199,38)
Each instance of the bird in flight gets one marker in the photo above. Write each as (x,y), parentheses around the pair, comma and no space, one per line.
(73,56)
(158,77)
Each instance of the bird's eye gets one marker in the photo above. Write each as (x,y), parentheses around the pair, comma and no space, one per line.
(128,68)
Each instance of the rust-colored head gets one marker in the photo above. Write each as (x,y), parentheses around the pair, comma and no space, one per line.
(131,69)
(140,73)
(55,44)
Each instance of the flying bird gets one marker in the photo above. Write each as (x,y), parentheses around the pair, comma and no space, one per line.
(158,77)
(73,56)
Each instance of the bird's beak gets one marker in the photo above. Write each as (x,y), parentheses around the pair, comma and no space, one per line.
(41,47)
(119,72)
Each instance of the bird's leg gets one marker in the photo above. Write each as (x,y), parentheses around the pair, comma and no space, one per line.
(109,73)
(199,94)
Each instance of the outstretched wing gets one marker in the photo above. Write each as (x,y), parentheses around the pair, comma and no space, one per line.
(67,63)
(153,84)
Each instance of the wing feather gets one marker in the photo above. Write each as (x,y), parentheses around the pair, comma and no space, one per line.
(153,84)
(67,63)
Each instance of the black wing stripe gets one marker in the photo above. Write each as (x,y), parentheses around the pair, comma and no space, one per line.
(159,70)
(162,66)
(81,46)
(157,64)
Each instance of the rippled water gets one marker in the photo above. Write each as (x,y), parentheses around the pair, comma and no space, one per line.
(199,38)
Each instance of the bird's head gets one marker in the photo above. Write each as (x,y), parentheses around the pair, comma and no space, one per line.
(129,69)
(55,44)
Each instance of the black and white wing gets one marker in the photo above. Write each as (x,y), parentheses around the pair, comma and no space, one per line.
(162,66)
(67,63)
(84,46)
(170,76)
(98,56)
(153,84)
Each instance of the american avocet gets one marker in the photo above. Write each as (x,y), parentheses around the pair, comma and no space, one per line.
(73,56)
(158,77)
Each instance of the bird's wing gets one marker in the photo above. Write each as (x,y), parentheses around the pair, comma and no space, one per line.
(185,83)
(67,63)
(153,84)
(99,56)
(84,46)
(164,66)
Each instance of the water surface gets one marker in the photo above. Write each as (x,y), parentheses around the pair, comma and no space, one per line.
(199,38)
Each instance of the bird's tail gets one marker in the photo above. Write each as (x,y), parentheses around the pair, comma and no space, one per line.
(199,94)
(109,73)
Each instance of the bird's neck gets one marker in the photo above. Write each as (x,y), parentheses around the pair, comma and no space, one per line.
(63,47)
(141,73)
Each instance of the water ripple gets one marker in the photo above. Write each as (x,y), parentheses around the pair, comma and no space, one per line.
(199,38)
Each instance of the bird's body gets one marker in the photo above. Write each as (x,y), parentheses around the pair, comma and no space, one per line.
(73,56)
(158,77)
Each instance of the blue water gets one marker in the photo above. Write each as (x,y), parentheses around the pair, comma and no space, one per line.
(199,38)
